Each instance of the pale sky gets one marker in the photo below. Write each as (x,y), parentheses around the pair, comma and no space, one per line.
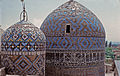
(108,11)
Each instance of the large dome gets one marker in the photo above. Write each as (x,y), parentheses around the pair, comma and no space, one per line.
(83,23)
(23,47)
(75,41)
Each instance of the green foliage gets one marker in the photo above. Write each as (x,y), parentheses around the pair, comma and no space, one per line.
(118,57)
(109,53)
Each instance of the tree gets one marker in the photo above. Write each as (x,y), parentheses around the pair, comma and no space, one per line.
(109,53)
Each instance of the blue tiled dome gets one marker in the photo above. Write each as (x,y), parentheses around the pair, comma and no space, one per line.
(75,41)
(23,49)
(22,36)
(85,28)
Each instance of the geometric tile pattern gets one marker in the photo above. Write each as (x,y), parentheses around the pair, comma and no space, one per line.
(24,64)
(86,29)
(23,46)
(23,49)
(87,35)
(83,22)
(75,43)
(23,36)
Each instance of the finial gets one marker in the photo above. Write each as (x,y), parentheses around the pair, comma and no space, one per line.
(24,13)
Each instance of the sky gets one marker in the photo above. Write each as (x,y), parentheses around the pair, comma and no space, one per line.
(108,11)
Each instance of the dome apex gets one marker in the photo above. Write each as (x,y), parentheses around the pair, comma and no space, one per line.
(71,8)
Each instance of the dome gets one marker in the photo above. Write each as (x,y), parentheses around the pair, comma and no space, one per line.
(23,47)
(75,40)
(23,36)
(83,23)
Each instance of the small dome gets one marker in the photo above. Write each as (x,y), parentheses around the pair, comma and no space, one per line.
(22,36)
(23,48)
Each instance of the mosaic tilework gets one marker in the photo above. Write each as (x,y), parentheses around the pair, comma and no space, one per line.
(23,49)
(24,64)
(75,59)
(75,43)
(84,24)
(23,46)
(23,36)
(82,48)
